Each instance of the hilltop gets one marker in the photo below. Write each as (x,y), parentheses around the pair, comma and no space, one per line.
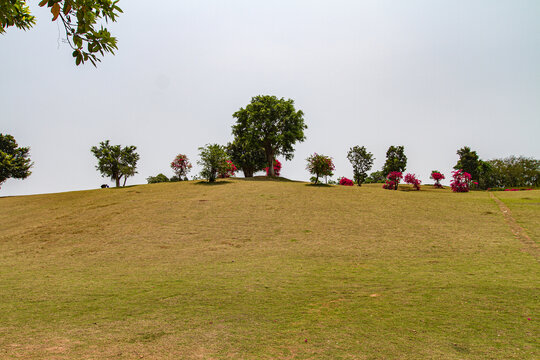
(268,269)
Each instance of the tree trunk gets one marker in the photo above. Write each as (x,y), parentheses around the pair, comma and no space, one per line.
(270,159)
(117,180)
(247,172)
(125,178)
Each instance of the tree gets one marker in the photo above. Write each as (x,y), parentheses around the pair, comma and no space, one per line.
(362,161)
(247,156)
(320,165)
(14,160)
(515,172)
(271,124)
(376,177)
(396,161)
(468,161)
(181,166)
(116,162)
(80,19)
(213,161)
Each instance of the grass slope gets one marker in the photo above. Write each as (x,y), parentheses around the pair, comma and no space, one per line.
(266,270)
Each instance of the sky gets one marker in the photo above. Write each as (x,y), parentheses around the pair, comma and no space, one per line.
(430,75)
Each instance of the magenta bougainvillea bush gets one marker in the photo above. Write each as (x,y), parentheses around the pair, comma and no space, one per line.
(392,180)
(277,168)
(181,166)
(437,176)
(345,181)
(229,171)
(461,181)
(411,179)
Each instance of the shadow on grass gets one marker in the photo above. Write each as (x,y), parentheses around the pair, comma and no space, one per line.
(267,178)
(215,183)
(319,185)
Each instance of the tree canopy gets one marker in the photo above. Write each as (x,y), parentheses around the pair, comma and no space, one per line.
(247,156)
(213,161)
(80,19)
(14,160)
(116,162)
(395,160)
(362,161)
(271,124)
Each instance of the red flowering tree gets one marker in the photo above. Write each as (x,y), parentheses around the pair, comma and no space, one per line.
(277,168)
(461,181)
(345,181)
(228,171)
(411,179)
(392,180)
(181,166)
(320,165)
(437,176)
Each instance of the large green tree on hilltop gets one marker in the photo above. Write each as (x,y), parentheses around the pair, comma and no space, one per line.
(271,124)
(80,19)
(116,162)
(14,160)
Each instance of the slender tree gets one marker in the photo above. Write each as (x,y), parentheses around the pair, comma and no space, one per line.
(362,161)
(271,124)
(116,162)
(213,161)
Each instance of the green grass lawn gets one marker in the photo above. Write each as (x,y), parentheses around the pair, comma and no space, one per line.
(267,270)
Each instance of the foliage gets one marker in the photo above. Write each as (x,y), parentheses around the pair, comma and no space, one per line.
(376,177)
(248,156)
(515,172)
(229,171)
(116,162)
(14,160)
(468,162)
(461,181)
(181,166)
(413,180)
(437,176)
(213,161)
(362,161)
(345,181)
(270,124)
(277,168)
(159,178)
(320,165)
(396,161)
(392,180)
(80,19)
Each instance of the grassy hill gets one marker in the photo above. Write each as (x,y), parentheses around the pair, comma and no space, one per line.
(268,270)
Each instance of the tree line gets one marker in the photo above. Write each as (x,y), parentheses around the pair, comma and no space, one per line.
(266,128)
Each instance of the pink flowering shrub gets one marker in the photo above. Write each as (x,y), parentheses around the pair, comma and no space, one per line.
(181,166)
(345,181)
(437,176)
(277,168)
(461,181)
(392,180)
(411,179)
(229,171)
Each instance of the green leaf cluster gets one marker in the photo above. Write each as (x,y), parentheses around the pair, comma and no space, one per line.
(82,21)
(362,161)
(270,124)
(159,178)
(247,156)
(14,160)
(319,165)
(116,162)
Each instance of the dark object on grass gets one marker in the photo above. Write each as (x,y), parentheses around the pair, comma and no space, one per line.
(104,186)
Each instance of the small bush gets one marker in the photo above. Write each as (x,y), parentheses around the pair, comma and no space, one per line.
(346,182)
(411,179)
(437,176)
(392,180)
(461,181)
(229,171)
(159,178)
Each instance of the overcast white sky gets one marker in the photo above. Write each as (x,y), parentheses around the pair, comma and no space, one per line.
(430,75)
